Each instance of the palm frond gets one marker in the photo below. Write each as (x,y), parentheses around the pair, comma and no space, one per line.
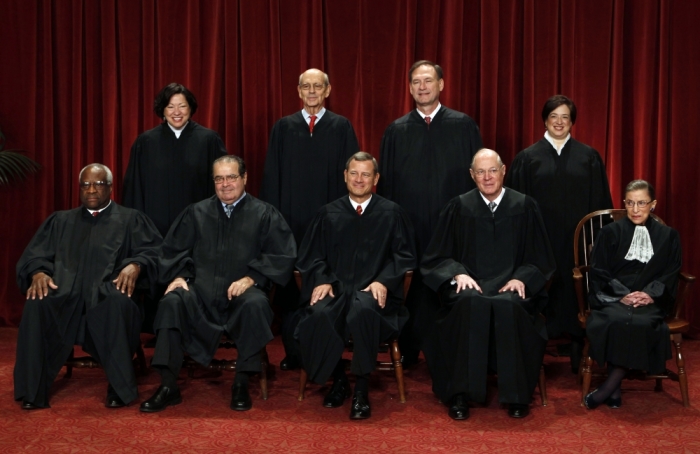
(15,166)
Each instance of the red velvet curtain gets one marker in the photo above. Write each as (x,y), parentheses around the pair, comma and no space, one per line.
(78,80)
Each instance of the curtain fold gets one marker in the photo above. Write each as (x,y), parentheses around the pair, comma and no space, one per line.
(79,78)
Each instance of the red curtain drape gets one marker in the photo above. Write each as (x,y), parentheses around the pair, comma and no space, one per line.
(79,77)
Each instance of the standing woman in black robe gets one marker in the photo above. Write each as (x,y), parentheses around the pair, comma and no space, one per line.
(633,281)
(567,178)
(170,165)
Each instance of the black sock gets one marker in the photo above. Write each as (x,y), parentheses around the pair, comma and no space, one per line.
(611,385)
(362,384)
(167,378)
(339,372)
(241,378)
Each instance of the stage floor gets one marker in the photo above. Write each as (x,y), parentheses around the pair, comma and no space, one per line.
(78,422)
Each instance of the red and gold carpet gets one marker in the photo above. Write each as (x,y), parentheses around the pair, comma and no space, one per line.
(203,423)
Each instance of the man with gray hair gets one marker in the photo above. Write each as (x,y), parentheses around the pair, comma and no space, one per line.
(79,273)
(303,171)
(489,260)
(352,261)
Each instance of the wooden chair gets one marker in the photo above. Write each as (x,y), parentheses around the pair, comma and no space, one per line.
(88,362)
(230,364)
(392,345)
(584,238)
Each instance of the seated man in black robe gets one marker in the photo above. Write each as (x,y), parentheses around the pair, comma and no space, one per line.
(489,260)
(220,258)
(79,273)
(353,260)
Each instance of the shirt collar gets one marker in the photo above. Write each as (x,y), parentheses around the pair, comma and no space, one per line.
(100,210)
(363,204)
(497,199)
(307,116)
(234,203)
(178,131)
(431,114)
(554,145)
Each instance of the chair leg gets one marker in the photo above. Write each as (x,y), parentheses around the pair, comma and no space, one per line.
(677,338)
(303,377)
(543,387)
(398,369)
(264,360)
(586,374)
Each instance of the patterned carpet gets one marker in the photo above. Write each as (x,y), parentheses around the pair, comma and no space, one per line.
(203,423)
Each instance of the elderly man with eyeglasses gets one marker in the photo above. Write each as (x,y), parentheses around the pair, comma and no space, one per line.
(79,274)
(304,168)
(219,260)
(489,260)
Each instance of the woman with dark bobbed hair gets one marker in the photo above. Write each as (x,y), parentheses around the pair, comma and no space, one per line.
(170,165)
(567,178)
(632,287)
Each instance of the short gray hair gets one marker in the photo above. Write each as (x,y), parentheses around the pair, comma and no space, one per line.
(362,156)
(99,166)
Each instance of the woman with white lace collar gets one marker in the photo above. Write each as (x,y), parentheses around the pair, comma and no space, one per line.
(632,286)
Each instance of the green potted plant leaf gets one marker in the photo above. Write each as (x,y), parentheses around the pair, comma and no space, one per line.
(13,164)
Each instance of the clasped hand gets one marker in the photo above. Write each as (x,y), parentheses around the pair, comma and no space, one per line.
(637,299)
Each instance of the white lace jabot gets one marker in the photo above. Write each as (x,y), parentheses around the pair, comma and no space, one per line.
(641,248)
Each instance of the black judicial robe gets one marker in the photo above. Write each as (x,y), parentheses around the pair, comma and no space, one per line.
(303,172)
(213,251)
(83,255)
(476,331)
(636,338)
(350,252)
(567,187)
(423,167)
(166,173)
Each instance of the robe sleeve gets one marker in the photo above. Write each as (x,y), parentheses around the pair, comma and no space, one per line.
(312,262)
(176,253)
(278,251)
(269,187)
(39,254)
(402,256)
(538,262)
(517,176)
(386,164)
(133,196)
(600,189)
(145,243)
(439,264)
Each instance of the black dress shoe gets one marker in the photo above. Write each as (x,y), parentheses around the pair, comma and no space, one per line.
(518,410)
(290,363)
(240,398)
(113,400)
(589,402)
(360,408)
(26,405)
(614,403)
(163,397)
(409,360)
(459,409)
(336,396)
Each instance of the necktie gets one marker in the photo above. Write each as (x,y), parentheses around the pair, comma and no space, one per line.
(228,209)
(359,210)
(493,206)
(95,213)
(427,120)
(312,122)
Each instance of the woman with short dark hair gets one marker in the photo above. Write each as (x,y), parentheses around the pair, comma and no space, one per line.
(568,180)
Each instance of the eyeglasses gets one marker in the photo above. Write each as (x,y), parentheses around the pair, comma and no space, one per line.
(307,87)
(640,203)
(96,184)
(227,178)
(481,172)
